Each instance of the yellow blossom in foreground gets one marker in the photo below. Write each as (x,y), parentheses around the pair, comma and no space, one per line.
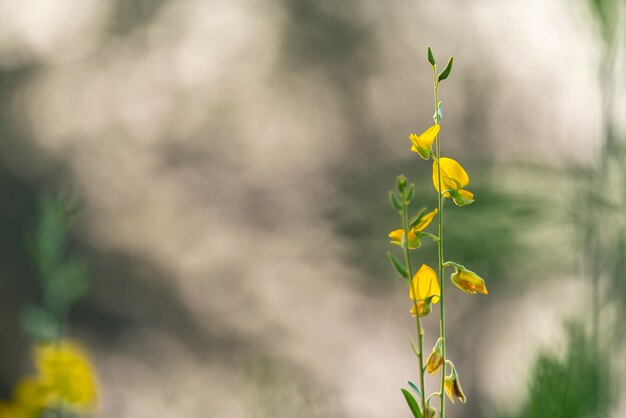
(30,397)
(67,372)
(413,238)
(469,282)
(453,388)
(453,180)
(422,144)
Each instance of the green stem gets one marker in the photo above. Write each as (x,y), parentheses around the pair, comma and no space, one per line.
(418,322)
(442,322)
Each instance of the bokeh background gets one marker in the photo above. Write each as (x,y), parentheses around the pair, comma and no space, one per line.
(231,162)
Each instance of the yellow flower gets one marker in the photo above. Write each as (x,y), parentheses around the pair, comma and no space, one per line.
(424,290)
(414,234)
(30,397)
(413,240)
(435,359)
(453,388)
(69,375)
(425,220)
(453,180)
(422,144)
(468,281)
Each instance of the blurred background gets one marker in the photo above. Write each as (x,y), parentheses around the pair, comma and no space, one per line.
(228,164)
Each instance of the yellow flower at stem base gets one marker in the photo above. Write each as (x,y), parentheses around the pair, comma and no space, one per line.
(468,281)
(452,386)
(413,240)
(66,370)
(453,180)
(424,291)
(423,143)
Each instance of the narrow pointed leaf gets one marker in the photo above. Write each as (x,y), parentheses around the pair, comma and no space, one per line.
(446,71)
(410,400)
(431,57)
(417,218)
(397,265)
(410,192)
(395,201)
(415,388)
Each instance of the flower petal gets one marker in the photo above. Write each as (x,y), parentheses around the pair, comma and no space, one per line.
(426,220)
(425,284)
(453,176)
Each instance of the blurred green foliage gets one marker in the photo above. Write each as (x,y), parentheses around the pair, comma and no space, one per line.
(575,385)
(64,278)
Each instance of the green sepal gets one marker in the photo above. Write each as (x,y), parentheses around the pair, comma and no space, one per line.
(446,71)
(410,400)
(409,193)
(459,200)
(417,218)
(431,57)
(397,265)
(395,201)
(415,388)
(424,152)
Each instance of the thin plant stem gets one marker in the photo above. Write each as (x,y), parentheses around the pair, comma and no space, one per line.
(418,322)
(442,322)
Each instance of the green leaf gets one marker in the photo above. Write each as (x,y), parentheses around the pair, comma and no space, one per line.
(395,201)
(417,218)
(415,409)
(431,57)
(397,265)
(415,388)
(410,192)
(446,71)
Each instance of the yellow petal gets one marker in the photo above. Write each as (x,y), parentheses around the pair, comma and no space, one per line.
(69,374)
(396,236)
(469,282)
(425,284)
(453,176)
(426,220)
(426,139)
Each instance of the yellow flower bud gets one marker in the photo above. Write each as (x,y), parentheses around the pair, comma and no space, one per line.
(453,180)
(435,359)
(468,281)
(422,144)
(452,386)
(430,412)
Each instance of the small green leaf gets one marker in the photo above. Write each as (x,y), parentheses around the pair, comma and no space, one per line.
(417,218)
(395,201)
(410,192)
(415,388)
(397,265)
(446,71)
(415,409)
(431,57)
